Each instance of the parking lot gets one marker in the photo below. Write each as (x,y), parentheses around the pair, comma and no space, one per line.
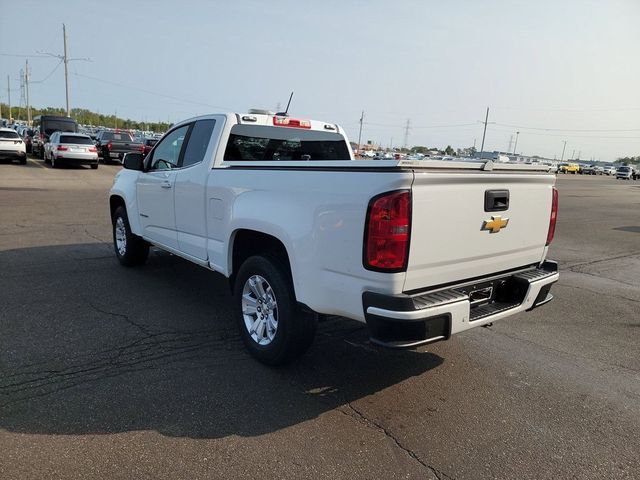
(107,372)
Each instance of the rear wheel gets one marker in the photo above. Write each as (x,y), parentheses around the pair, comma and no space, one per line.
(272,326)
(131,250)
(94,166)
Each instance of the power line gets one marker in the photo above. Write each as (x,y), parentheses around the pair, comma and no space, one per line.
(567,129)
(49,74)
(151,92)
(24,56)
(564,134)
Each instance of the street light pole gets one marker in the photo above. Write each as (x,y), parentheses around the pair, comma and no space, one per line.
(484,133)
(563,147)
(360,133)
(66,68)
(26,83)
(9,95)
(516,145)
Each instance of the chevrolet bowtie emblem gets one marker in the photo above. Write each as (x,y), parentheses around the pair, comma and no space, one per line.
(495,224)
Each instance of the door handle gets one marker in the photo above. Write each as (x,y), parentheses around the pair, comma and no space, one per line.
(166,184)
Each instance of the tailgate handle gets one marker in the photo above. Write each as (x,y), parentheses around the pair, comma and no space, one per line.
(496,200)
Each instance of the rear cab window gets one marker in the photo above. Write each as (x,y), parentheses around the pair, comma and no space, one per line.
(118,137)
(263,143)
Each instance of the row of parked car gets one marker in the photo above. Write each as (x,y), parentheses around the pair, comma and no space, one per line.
(624,172)
(57,140)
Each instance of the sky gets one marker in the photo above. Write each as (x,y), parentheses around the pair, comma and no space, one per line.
(553,70)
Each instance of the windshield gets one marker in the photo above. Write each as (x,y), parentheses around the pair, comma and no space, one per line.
(9,135)
(255,143)
(75,140)
(624,169)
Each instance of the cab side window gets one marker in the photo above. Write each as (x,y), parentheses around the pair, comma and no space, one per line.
(198,142)
(166,155)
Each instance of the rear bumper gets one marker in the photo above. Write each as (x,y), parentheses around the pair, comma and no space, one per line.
(402,321)
(77,159)
(14,154)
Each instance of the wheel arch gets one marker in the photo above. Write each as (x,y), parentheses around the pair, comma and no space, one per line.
(245,243)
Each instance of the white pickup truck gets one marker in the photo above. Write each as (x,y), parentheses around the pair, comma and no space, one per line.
(419,250)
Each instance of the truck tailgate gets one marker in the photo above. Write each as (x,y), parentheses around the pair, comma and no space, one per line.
(448,241)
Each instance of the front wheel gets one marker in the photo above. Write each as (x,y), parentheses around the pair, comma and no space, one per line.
(272,326)
(131,250)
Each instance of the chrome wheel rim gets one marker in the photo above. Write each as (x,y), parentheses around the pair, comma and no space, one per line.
(121,236)
(259,310)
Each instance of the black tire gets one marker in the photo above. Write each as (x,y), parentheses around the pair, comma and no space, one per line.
(295,330)
(136,249)
(23,161)
(94,166)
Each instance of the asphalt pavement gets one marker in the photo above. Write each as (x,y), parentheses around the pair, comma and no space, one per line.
(109,372)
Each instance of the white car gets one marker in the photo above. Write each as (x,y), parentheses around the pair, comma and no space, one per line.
(70,148)
(609,170)
(417,250)
(624,173)
(11,146)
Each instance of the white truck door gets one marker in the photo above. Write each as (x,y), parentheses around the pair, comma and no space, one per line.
(190,186)
(155,189)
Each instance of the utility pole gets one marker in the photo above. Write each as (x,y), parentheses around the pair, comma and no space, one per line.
(66,68)
(406,133)
(510,143)
(360,134)
(26,83)
(573,154)
(516,145)
(484,133)
(563,147)
(9,95)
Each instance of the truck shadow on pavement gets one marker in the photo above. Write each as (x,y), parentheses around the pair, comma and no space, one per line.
(90,347)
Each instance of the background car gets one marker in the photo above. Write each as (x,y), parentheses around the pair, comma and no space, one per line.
(148,144)
(624,173)
(569,168)
(71,148)
(12,146)
(27,137)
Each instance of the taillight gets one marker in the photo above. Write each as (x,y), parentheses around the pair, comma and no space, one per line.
(93,149)
(62,148)
(386,237)
(291,122)
(109,146)
(554,215)
(141,148)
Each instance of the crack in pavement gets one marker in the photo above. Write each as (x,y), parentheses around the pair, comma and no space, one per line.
(358,415)
(599,292)
(140,327)
(148,351)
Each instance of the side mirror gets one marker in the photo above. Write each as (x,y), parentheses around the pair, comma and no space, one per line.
(133,161)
